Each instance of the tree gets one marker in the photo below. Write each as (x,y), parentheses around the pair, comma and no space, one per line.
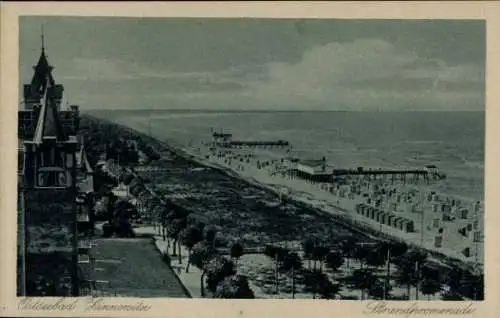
(375,257)
(479,288)
(218,269)
(328,290)
(313,280)
(234,287)
(417,257)
(363,279)
(122,213)
(127,178)
(136,187)
(471,285)
(430,287)
(173,231)
(360,253)
(379,290)
(189,237)
(210,234)
(159,215)
(451,296)
(292,263)
(201,254)
(427,271)
(319,253)
(236,252)
(277,254)
(102,178)
(347,245)
(409,269)
(453,278)
(406,276)
(308,247)
(397,248)
(392,250)
(104,190)
(175,220)
(112,198)
(334,260)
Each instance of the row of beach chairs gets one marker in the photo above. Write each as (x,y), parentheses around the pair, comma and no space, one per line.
(386,218)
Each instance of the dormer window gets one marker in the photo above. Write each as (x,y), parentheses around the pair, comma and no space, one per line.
(54,166)
(53,157)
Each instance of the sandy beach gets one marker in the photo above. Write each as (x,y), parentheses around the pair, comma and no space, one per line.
(443,214)
(243,197)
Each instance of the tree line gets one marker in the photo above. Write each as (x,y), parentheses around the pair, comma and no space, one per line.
(406,266)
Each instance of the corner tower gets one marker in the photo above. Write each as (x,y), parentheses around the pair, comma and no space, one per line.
(33,92)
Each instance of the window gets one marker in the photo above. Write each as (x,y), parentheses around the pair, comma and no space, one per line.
(52,179)
(52,158)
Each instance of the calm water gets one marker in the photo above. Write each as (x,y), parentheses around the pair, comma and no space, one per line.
(454,141)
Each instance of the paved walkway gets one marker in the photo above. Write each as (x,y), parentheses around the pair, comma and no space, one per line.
(134,268)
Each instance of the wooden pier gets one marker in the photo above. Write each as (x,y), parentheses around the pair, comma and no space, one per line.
(259,143)
(226,140)
(400,174)
(372,174)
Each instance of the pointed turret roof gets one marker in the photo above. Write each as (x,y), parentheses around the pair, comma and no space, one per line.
(48,124)
(43,71)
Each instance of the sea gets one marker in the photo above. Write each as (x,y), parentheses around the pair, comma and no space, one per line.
(453,141)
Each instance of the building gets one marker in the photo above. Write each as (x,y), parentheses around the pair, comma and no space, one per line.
(85,176)
(431,169)
(221,139)
(42,77)
(33,95)
(313,170)
(49,215)
(312,166)
(291,162)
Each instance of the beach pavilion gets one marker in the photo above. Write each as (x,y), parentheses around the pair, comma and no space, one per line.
(313,170)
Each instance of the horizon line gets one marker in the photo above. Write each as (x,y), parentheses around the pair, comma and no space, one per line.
(277,110)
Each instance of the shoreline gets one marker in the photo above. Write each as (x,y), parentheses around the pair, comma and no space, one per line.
(340,217)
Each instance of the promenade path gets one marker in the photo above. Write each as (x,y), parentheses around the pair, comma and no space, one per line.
(133,268)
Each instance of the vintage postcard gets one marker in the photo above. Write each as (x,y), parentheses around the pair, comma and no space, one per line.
(249,159)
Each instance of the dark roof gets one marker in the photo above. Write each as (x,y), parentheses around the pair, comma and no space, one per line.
(312,163)
(43,73)
(83,161)
(48,124)
(215,134)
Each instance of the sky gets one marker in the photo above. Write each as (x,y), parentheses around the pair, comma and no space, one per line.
(261,64)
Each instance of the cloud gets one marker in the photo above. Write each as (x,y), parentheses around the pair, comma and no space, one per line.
(371,74)
(367,74)
(115,73)
(106,70)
